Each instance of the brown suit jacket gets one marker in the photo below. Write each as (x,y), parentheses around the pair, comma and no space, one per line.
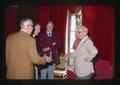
(21,55)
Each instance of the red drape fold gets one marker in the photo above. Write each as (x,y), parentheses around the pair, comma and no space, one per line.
(100,22)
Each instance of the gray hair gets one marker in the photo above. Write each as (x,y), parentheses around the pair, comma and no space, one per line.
(24,20)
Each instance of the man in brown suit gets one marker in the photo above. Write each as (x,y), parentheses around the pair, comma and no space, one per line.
(21,53)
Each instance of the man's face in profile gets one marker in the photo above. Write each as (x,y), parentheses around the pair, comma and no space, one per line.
(28,25)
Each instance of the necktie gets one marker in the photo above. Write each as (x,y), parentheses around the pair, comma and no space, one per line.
(49,34)
(76,42)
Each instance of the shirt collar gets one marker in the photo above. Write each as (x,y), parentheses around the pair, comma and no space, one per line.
(24,31)
(49,32)
(84,39)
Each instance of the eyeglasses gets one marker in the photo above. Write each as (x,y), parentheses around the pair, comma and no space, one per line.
(80,32)
(30,25)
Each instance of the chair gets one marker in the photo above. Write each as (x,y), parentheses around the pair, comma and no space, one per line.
(60,70)
(103,69)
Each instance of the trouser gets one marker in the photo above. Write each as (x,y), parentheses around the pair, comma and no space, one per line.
(36,72)
(48,71)
(89,76)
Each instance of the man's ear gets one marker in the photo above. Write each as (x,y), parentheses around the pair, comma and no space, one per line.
(21,25)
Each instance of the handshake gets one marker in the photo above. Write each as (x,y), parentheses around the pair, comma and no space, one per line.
(48,59)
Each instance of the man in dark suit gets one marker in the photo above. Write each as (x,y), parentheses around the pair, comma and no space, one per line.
(21,52)
(49,45)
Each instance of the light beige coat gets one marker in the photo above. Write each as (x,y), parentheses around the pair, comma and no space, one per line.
(21,55)
(85,50)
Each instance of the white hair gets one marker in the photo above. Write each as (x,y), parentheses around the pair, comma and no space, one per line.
(83,28)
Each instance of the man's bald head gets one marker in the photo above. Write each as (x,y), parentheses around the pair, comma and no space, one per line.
(83,29)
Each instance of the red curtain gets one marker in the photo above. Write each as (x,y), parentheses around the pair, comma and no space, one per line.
(44,12)
(26,10)
(98,19)
(11,15)
(100,22)
(58,15)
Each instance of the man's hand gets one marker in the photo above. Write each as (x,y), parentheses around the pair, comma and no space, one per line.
(66,56)
(54,43)
(48,59)
(87,59)
(46,49)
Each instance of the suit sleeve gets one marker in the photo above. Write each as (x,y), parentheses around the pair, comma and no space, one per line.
(58,42)
(7,48)
(92,50)
(33,54)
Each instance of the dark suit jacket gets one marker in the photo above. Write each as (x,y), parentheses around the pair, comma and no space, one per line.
(46,41)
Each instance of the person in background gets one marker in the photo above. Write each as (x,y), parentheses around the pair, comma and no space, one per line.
(49,45)
(34,35)
(21,52)
(36,30)
(84,54)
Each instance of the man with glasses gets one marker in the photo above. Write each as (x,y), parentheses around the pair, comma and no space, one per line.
(21,52)
(84,54)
